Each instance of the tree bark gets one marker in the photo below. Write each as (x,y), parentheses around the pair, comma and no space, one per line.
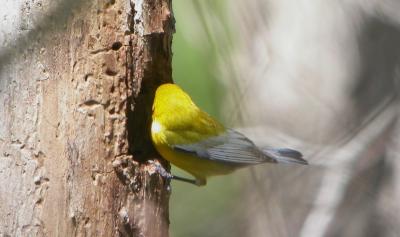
(77,79)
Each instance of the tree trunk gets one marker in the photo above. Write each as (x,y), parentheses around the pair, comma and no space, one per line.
(77,79)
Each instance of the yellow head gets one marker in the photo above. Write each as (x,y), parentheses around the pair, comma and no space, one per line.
(172,106)
(170,99)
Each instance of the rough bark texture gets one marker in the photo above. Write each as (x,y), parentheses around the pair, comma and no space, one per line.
(76,86)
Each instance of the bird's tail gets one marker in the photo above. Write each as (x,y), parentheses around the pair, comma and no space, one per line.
(285,155)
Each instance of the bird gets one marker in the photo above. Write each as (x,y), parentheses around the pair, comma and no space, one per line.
(192,140)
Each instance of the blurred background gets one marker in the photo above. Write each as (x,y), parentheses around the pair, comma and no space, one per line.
(318,76)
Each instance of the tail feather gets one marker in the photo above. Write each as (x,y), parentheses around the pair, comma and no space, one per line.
(285,155)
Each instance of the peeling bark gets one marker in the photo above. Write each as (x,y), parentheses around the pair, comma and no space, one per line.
(77,79)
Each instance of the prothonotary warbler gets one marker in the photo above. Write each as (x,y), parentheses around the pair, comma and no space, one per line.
(192,140)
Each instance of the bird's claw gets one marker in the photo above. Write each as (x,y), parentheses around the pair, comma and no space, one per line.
(161,170)
(165,174)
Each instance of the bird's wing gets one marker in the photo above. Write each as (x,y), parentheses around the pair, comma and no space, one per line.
(230,147)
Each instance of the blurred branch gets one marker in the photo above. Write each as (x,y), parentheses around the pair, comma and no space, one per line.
(342,141)
(338,175)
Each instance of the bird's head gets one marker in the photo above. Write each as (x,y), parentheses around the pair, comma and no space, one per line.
(171,100)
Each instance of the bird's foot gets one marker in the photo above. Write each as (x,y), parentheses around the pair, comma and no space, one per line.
(167,175)
(161,170)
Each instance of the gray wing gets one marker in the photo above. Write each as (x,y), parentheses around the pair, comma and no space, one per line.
(231,147)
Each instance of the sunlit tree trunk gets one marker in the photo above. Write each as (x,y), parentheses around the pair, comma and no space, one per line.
(76,86)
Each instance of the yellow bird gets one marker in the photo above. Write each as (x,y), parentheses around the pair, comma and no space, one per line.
(192,140)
